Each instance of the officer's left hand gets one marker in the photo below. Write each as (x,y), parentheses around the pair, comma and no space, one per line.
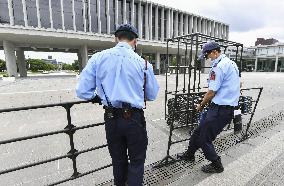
(199,108)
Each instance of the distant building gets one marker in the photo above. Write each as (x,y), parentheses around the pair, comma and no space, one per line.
(262,41)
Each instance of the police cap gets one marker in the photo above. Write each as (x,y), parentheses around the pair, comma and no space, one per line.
(208,47)
(127,27)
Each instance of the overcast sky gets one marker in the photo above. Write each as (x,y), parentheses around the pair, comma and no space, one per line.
(248,19)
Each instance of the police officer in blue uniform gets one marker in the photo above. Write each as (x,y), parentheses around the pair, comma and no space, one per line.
(223,92)
(123,81)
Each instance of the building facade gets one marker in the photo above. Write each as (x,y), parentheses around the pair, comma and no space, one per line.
(85,25)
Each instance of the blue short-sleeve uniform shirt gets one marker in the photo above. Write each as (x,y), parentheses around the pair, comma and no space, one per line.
(224,80)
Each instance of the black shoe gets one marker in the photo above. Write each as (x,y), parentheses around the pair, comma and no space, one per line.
(214,167)
(186,156)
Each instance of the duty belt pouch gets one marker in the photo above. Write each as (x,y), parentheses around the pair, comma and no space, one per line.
(126,113)
(237,121)
(109,113)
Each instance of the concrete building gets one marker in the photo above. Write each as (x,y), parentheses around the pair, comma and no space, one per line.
(85,26)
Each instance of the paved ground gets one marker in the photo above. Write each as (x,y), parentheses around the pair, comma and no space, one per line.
(39,90)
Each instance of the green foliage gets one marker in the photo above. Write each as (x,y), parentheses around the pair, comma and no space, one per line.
(37,64)
(2,65)
(75,65)
(67,67)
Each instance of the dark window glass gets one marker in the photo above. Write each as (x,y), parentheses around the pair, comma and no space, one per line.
(103,17)
(136,15)
(112,16)
(153,23)
(94,17)
(44,14)
(18,12)
(56,14)
(143,20)
(159,23)
(165,24)
(79,9)
(31,12)
(120,12)
(4,12)
(128,12)
(68,15)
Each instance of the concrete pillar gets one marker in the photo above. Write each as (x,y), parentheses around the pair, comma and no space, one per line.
(208,27)
(162,24)
(158,62)
(132,13)
(156,23)
(85,10)
(215,29)
(194,24)
(172,24)
(255,64)
(181,25)
(186,25)
(199,25)
(168,26)
(176,25)
(227,32)
(116,12)
(21,63)
(89,16)
(140,26)
(146,21)
(74,15)
(124,11)
(51,15)
(25,12)
(212,29)
(10,58)
(62,15)
(11,15)
(83,57)
(150,22)
(99,17)
(276,63)
(190,24)
(108,16)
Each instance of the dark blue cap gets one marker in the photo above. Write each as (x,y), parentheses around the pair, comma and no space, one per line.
(208,47)
(127,27)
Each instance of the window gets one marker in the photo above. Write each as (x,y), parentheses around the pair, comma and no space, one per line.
(4,12)
(31,12)
(159,23)
(103,16)
(56,14)
(94,17)
(112,16)
(68,15)
(18,12)
(128,12)
(79,16)
(120,12)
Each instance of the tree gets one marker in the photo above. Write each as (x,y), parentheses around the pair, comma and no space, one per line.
(75,65)
(37,64)
(2,65)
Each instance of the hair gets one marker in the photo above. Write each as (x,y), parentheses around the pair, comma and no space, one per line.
(125,35)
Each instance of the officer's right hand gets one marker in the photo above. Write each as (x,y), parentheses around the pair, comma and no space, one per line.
(199,108)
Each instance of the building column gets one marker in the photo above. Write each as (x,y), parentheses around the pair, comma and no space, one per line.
(116,12)
(21,63)
(168,26)
(172,24)
(195,24)
(227,32)
(89,16)
(181,25)
(25,12)
(215,29)
(162,24)
(176,25)
(62,14)
(51,16)
(156,23)
(11,15)
(158,62)
(132,13)
(124,12)
(108,16)
(83,56)
(10,58)
(255,64)
(276,63)
(150,22)
(190,24)
(99,17)
(140,26)
(84,14)
(146,21)
(186,25)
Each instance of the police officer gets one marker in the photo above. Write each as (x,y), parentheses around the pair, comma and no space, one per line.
(123,80)
(223,92)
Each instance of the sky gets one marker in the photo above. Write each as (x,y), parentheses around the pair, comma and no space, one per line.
(247,19)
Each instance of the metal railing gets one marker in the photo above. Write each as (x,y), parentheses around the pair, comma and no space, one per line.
(70,129)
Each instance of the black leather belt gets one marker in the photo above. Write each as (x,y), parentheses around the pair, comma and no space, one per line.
(223,106)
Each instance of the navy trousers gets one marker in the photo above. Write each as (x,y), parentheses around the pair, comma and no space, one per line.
(127,138)
(211,124)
